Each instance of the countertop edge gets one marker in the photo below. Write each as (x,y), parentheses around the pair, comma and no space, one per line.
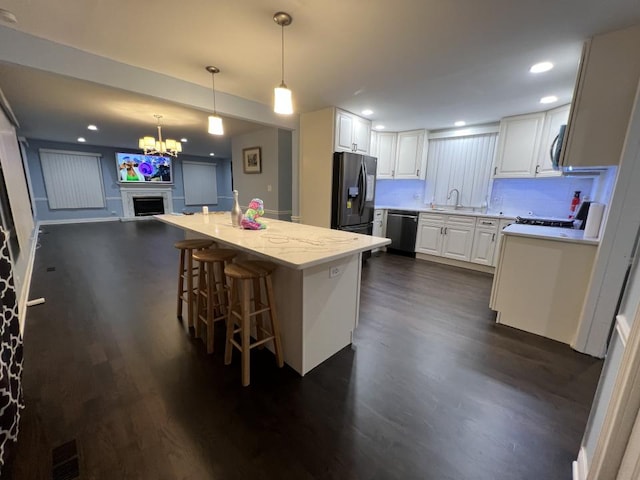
(559,235)
(447,212)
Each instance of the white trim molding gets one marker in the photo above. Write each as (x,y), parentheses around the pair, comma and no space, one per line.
(465,132)
(66,221)
(580,466)
(26,286)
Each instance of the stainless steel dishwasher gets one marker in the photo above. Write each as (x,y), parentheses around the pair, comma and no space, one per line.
(402,228)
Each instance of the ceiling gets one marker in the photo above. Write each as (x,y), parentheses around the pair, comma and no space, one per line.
(417,64)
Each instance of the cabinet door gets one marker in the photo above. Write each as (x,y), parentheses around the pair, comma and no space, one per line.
(458,240)
(429,239)
(484,245)
(518,146)
(552,122)
(373,144)
(386,149)
(344,132)
(361,135)
(409,154)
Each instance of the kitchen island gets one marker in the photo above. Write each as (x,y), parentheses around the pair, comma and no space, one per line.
(317,284)
(541,279)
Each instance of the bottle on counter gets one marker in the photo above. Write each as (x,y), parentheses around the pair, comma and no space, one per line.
(575,201)
(236,211)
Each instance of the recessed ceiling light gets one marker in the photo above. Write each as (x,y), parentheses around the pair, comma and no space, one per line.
(92,127)
(82,139)
(541,67)
(460,123)
(184,140)
(379,127)
(549,99)
(212,154)
(7,16)
(367,111)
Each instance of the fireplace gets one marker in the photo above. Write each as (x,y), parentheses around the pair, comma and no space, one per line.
(144,206)
(139,203)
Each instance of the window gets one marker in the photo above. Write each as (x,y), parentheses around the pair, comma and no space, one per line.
(200,183)
(72,179)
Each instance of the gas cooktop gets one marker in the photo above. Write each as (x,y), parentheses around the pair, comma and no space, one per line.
(545,222)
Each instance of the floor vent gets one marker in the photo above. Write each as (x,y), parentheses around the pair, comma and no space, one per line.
(51,269)
(65,461)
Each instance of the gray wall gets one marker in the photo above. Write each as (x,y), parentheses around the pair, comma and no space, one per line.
(276,171)
(110,179)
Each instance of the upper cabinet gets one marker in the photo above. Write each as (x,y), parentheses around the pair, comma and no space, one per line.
(553,121)
(518,146)
(352,134)
(401,155)
(603,99)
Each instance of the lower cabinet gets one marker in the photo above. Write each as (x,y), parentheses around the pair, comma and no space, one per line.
(430,233)
(484,241)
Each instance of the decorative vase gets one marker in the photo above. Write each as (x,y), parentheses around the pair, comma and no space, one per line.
(236,211)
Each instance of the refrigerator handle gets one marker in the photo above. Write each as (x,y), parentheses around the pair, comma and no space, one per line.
(363,194)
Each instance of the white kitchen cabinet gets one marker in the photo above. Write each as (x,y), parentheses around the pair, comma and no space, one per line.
(518,146)
(352,133)
(458,237)
(430,234)
(504,223)
(386,153)
(445,235)
(373,144)
(379,224)
(410,155)
(484,241)
(603,99)
(553,120)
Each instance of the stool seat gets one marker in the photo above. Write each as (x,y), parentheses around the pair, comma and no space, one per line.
(244,276)
(196,243)
(214,255)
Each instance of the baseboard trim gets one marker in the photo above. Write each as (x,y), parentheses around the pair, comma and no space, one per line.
(24,294)
(78,220)
(579,466)
(456,263)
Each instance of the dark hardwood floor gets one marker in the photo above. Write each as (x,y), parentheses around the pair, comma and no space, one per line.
(431,388)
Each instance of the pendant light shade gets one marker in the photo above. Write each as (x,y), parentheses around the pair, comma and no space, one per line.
(215,125)
(282,102)
(215,122)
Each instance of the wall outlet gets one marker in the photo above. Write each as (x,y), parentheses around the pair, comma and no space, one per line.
(335,271)
(268,188)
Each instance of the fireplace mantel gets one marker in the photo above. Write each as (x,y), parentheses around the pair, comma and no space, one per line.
(129,192)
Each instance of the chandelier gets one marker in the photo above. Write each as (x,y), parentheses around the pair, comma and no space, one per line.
(151,146)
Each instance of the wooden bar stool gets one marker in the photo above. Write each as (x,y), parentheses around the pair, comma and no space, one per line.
(185,270)
(242,276)
(212,289)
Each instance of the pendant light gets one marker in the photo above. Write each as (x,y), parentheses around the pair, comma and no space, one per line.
(282,95)
(215,121)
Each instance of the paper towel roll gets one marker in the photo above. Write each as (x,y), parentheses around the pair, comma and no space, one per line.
(594,219)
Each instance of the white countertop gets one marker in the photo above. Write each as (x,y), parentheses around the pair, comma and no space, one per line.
(550,233)
(446,211)
(290,244)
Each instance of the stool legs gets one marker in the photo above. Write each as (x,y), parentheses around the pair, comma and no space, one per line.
(246,333)
(228,347)
(190,297)
(181,273)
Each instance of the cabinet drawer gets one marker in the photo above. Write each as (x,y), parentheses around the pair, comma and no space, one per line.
(432,218)
(461,220)
(487,222)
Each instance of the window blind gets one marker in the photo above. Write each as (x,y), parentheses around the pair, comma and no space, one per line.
(72,179)
(200,183)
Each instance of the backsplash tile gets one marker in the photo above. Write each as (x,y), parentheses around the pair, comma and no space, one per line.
(399,193)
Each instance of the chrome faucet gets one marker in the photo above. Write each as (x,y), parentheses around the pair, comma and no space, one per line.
(458,205)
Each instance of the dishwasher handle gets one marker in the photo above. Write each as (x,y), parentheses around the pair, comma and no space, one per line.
(413,217)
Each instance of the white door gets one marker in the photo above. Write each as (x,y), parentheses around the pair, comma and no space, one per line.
(457,242)
(409,155)
(552,122)
(344,132)
(386,150)
(429,239)
(518,145)
(361,135)
(484,245)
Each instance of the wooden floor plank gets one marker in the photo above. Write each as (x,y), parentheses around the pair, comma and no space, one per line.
(432,387)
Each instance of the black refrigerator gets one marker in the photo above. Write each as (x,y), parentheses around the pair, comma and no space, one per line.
(353,192)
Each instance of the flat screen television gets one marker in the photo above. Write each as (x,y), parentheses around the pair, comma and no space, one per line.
(140,168)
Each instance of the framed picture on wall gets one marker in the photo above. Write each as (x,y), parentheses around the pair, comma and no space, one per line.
(252,160)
